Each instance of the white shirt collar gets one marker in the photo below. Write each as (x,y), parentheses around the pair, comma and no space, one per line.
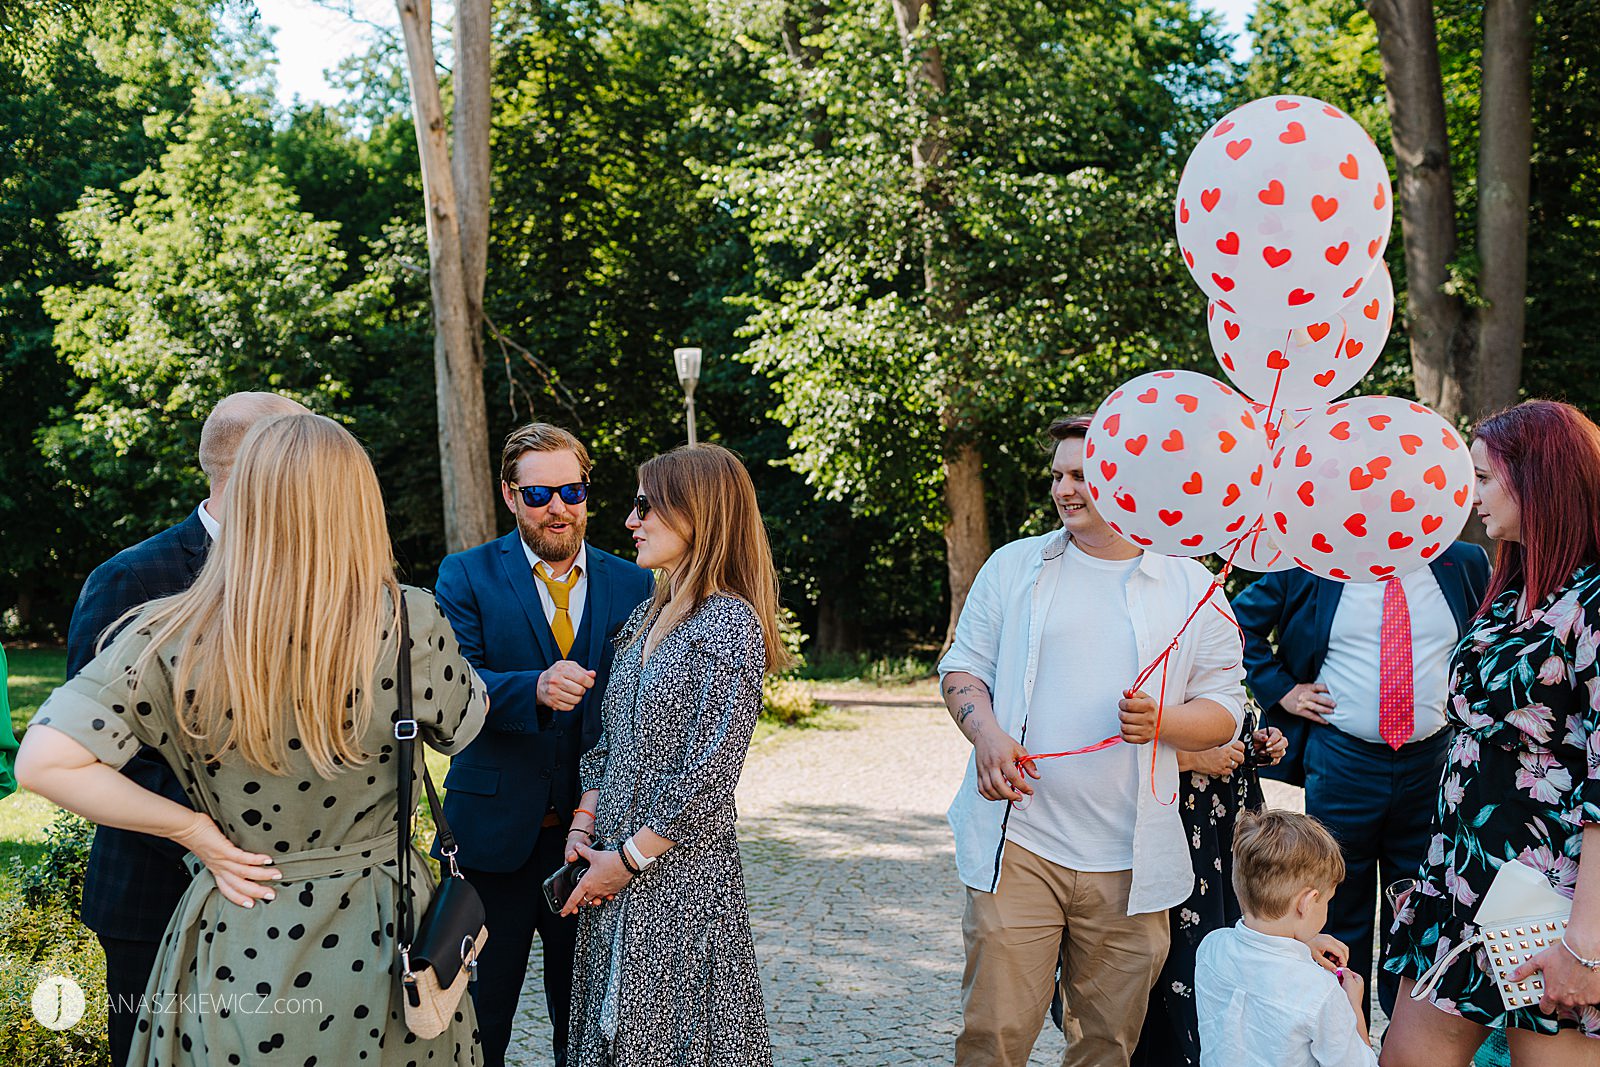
(207,520)
(1287,947)
(582,562)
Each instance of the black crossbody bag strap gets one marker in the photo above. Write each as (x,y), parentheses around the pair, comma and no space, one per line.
(405,732)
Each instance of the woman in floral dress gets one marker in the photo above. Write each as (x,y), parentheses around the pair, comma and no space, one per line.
(665,974)
(1525,702)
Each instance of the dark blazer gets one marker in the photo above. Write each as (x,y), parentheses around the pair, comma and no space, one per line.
(1298,606)
(526,759)
(134,880)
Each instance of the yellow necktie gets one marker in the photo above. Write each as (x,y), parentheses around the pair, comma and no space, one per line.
(561,594)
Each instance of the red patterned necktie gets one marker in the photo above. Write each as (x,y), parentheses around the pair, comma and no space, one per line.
(1396,705)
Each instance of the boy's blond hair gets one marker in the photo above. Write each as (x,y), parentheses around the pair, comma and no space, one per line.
(1276,854)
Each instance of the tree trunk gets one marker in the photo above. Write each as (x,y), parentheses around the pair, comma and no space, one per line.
(966,528)
(1505,122)
(1438,325)
(457,298)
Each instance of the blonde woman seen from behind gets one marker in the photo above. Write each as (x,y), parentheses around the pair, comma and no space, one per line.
(666,969)
(269,686)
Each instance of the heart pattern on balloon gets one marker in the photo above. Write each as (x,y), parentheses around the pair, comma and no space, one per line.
(1296,212)
(1190,456)
(1385,484)
(1310,365)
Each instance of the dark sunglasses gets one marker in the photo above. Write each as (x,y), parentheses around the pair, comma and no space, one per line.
(641,504)
(537,496)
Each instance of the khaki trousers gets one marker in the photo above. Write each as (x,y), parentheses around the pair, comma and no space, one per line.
(1043,913)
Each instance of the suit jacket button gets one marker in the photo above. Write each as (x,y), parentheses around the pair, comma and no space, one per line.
(544,774)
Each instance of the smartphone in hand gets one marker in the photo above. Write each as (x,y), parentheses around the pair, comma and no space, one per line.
(559,886)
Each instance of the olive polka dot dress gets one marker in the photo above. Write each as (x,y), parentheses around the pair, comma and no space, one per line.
(310,977)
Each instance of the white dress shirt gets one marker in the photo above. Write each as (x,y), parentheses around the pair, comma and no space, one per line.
(580,588)
(211,524)
(999,639)
(1263,1001)
(1350,670)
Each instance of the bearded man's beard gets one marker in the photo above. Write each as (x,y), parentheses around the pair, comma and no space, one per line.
(553,546)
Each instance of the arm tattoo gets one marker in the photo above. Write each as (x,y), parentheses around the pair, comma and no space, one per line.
(966,709)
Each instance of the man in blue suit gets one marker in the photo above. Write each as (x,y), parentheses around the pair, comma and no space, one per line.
(134,880)
(1371,769)
(535,612)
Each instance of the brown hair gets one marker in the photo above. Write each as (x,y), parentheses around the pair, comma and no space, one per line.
(704,494)
(1276,854)
(540,437)
(1067,427)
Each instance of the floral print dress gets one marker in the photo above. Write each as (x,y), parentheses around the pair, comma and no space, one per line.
(1525,702)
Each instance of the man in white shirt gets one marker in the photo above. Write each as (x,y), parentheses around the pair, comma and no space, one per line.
(1075,861)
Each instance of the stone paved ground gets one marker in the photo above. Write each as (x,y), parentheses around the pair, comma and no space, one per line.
(854,897)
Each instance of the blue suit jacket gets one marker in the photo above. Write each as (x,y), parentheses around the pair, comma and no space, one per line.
(134,880)
(526,760)
(1298,606)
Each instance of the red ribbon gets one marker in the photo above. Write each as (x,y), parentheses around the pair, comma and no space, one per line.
(1161,662)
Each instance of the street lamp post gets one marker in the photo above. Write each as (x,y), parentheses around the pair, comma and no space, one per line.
(687,360)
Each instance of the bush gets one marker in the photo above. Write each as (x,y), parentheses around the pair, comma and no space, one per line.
(56,880)
(785,701)
(35,943)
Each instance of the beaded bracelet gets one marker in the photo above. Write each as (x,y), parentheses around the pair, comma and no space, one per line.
(632,868)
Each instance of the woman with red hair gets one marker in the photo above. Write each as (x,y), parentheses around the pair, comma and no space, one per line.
(1522,784)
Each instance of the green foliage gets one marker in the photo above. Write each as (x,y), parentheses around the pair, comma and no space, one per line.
(786,701)
(55,880)
(1034,271)
(36,943)
(876,670)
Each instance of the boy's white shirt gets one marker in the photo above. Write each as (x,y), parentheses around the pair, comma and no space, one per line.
(997,640)
(1264,1001)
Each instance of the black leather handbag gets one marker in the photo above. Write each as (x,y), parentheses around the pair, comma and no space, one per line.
(442,957)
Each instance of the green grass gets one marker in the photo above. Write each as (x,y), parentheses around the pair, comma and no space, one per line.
(34,672)
(858,666)
(23,817)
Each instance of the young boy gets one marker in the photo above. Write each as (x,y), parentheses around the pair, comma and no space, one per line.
(1272,991)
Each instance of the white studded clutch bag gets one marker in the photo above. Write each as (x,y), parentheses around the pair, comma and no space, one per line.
(1521,915)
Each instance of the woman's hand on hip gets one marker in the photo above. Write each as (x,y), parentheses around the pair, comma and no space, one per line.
(239,874)
(605,878)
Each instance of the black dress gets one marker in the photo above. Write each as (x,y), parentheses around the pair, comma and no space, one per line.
(1209,807)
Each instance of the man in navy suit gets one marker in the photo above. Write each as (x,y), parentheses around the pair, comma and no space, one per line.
(535,612)
(134,880)
(1371,769)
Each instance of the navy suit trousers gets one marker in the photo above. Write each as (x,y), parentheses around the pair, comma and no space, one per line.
(1378,803)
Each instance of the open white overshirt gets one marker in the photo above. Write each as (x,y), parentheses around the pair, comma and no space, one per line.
(997,639)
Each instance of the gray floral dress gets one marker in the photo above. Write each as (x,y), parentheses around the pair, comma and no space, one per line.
(666,973)
(1522,782)
(308,977)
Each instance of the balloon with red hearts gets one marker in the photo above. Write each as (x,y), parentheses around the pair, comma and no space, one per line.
(1369,489)
(1258,552)
(1311,364)
(1176,463)
(1283,210)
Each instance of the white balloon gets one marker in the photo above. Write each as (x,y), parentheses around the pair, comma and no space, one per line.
(1369,489)
(1311,365)
(1283,210)
(1176,463)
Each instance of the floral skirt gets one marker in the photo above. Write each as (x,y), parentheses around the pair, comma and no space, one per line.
(1496,805)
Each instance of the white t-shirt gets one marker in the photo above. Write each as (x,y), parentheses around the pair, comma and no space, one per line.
(1350,670)
(1083,808)
(1264,1002)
